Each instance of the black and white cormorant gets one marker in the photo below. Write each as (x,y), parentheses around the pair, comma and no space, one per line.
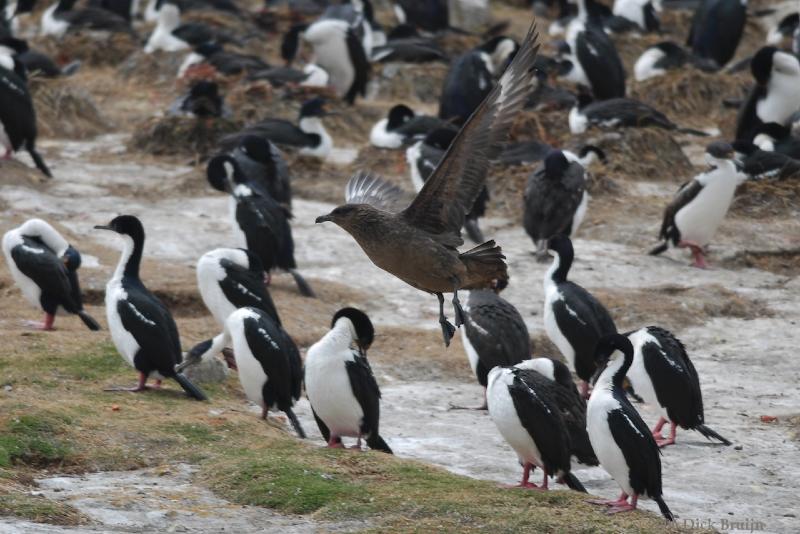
(401,126)
(699,206)
(494,333)
(60,18)
(592,59)
(259,221)
(642,13)
(309,137)
(569,402)
(233,278)
(225,62)
(522,406)
(36,63)
(340,386)
(533,151)
(405,45)
(619,113)
(775,97)
(427,15)
(170,35)
(664,376)
(759,164)
(141,327)
(471,78)
(17,114)
(338,50)
(717,29)
(201,100)
(620,438)
(658,59)
(555,200)
(45,267)
(774,137)
(262,163)
(267,360)
(574,319)
(423,157)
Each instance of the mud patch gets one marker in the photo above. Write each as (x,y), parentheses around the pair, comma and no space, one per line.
(677,307)
(783,262)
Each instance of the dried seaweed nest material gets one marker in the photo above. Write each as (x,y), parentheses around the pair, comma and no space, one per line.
(401,81)
(190,136)
(65,110)
(690,94)
(641,154)
(93,48)
(767,198)
(157,68)
(547,126)
(785,262)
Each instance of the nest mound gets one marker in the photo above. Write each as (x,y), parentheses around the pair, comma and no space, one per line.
(401,81)
(65,110)
(506,188)
(642,153)
(688,95)
(93,48)
(189,136)
(157,68)
(768,198)
(547,126)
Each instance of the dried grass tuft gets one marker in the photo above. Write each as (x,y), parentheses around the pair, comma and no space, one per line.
(768,198)
(190,136)
(65,110)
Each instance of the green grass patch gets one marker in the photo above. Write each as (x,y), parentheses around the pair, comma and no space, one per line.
(38,509)
(33,440)
(196,433)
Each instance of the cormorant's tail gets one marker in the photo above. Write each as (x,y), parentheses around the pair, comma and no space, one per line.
(89,321)
(302,285)
(376,443)
(710,434)
(572,482)
(473,230)
(664,508)
(295,423)
(658,249)
(485,265)
(190,389)
(37,159)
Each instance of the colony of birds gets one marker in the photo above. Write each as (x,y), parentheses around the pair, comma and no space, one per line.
(572,64)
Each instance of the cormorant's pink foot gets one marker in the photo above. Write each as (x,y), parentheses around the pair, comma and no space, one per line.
(619,508)
(623,499)
(335,443)
(584,389)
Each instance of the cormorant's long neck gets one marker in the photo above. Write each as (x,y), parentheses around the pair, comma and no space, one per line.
(340,337)
(619,376)
(613,375)
(562,261)
(131,258)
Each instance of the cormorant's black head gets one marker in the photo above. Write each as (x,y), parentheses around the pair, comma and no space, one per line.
(761,64)
(208,49)
(72,258)
(720,150)
(606,349)
(125,225)
(555,164)
(670,49)
(222,172)
(441,138)
(257,148)
(502,50)
(364,331)
(398,115)
(313,108)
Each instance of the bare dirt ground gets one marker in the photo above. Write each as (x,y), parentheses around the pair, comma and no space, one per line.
(739,323)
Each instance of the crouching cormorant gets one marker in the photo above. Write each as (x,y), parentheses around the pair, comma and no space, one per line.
(45,267)
(521,403)
(697,210)
(418,244)
(141,327)
(266,358)
(665,377)
(623,443)
(341,388)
